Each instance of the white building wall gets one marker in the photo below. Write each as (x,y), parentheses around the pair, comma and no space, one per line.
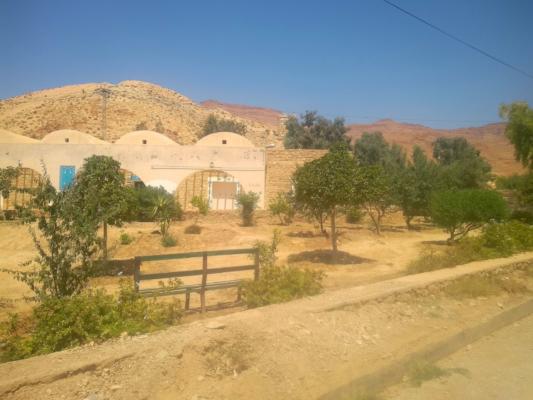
(149,162)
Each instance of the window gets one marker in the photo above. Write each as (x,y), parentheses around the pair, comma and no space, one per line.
(144,141)
(66,140)
(224,141)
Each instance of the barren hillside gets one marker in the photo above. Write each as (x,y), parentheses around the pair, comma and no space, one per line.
(131,105)
(267,116)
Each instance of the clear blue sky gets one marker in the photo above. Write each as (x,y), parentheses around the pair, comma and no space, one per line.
(360,59)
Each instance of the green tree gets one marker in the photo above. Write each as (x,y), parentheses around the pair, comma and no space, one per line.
(312,131)
(328,184)
(462,166)
(371,149)
(282,206)
(385,166)
(519,130)
(460,211)
(100,194)
(416,183)
(65,243)
(215,124)
(378,196)
(247,201)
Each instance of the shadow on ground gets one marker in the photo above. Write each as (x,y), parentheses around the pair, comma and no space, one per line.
(327,257)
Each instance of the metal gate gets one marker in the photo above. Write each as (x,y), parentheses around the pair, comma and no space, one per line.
(205,184)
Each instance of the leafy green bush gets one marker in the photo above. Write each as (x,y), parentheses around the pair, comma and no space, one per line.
(283,208)
(278,284)
(460,211)
(58,324)
(524,216)
(354,215)
(496,240)
(247,201)
(268,251)
(125,238)
(193,229)
(142,200)
(168,240)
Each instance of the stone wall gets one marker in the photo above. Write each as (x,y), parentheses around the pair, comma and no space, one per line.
(280,165)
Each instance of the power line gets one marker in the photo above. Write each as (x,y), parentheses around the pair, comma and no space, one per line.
(463,42)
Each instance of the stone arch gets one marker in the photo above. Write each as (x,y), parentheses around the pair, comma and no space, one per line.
(219,187)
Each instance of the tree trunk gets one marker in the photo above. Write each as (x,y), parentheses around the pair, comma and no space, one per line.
(333,231)
(408,220)
(321,222)
(105,241)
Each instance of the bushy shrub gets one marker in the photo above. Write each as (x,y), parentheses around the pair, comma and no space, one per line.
(283,208)
(201,204)
(354,215)
(508,238)
(143,199)
(268,251)
(460,211)
(125,238)
(58,324)
(247,201)
(496,240)
(193,229)
(168,240)
(278,284)
(524,216)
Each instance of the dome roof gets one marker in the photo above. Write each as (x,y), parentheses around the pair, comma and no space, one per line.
(10,137)
(229,139)
(70,136)
(145,137)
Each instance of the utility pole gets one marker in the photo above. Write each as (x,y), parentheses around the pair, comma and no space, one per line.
(105,93)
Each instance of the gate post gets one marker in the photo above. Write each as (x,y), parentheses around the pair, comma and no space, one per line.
(136,273)
(204,280)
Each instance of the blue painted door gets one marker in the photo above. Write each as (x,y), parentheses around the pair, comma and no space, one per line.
(66,175)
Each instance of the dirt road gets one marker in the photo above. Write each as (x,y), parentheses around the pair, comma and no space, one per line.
(497,367)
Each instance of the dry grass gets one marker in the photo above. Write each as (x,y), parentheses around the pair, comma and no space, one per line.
(423,371)
(484,286)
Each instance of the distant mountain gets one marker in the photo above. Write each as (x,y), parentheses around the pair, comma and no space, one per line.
(265,116)
(131,105)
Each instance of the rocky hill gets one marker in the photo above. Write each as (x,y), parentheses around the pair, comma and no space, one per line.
(131,105)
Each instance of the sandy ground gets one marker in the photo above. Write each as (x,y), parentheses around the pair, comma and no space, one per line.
(297,350)
(373,257)
(497,367)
